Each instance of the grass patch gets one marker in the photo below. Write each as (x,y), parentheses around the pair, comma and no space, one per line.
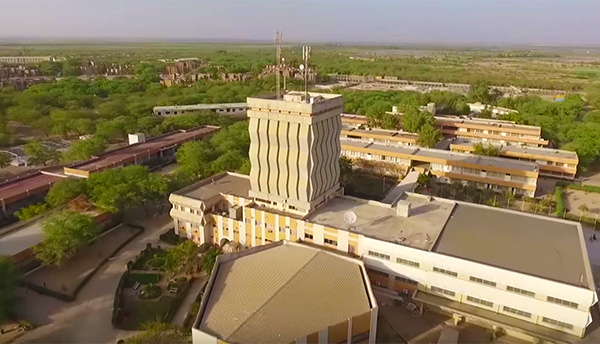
(149,311)
(586,188)
(148,255)
(560,201)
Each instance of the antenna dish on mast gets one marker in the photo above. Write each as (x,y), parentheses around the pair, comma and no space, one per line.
(350,218)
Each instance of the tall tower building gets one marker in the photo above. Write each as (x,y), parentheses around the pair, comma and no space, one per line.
(295,150)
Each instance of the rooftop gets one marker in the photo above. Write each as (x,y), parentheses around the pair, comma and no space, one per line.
(224,183)
(377,220)
(19,237)
(539,246)
(129,153)
(201,106)
(522,149)
(447,155)
(380,132)
(281,292)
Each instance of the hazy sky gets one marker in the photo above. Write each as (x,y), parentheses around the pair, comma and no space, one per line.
(571,22)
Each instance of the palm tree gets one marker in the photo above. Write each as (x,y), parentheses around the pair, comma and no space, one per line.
(583,209)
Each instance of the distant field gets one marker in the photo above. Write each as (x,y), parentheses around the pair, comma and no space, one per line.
(564,68)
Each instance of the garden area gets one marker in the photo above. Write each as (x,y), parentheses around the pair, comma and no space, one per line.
(156,283)
(64,281)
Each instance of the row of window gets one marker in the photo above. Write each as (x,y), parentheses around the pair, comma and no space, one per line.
(504,308)
(474,279)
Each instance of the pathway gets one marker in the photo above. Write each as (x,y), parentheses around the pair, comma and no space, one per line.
(190,297)
(88,318)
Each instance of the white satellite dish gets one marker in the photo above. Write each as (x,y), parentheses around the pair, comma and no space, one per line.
(301,67)
(350,218)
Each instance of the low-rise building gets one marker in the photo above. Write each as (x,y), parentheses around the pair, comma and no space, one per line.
(224,108)
(524,273)
(287,293)
(500,174)
(25,59)
(552,162)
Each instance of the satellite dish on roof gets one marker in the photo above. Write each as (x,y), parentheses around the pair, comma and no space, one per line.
(350,218)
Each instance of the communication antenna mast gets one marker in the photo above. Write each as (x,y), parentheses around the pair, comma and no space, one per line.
(304,67)
(278,38)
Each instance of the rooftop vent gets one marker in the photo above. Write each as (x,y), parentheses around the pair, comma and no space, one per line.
(403,208)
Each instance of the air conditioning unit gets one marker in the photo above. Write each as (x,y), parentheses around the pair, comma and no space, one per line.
(377,283)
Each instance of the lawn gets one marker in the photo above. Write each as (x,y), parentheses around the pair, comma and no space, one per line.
(148,259)
(148,311)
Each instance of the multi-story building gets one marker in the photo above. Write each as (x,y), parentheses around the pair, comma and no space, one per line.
(388,137)
(287,293)
(25,59)
(487,130)
(492,131)
(500,174)
(295,149)
(522,273)
(552,162)
(224,108)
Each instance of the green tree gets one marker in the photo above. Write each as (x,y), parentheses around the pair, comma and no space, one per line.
(195,158)
(424,179)
(485,113)
(345,170)
(509,196)
(4,160)
(64,233)
(9,281)
(31,211)
(210,258)
(487,150)
(429,135)
(84,149)
(413,119)
(64,191)
(480,92)
(117,189)
(161,333)
(40,154)
(182,257)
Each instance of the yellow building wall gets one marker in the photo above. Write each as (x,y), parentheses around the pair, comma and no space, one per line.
(338,333)
(361,324)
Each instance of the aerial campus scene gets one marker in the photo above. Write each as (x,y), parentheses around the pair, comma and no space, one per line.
(334,171)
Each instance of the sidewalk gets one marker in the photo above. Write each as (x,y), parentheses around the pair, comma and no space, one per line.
(188,300)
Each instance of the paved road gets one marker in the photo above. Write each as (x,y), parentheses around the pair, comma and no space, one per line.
(190,297)
(88,318)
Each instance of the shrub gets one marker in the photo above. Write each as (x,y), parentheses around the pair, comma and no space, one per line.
(150,291)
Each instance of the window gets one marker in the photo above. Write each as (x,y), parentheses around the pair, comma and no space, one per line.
(518,178)
(406,280)
(480,301)
(308,236)
(407,262)
(557,323)
(482,281)
(446,272)
(330,242)
(495,175)
(379,255)
(443,291)
(520,291)
(516,311)
(562,302)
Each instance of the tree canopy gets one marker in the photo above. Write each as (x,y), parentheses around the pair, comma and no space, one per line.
(64,191)
(9,281)
(429,135)
(413,120)
(40,154)
(84,149)
(488,149)
(181,256)
(117,189)
(64,233)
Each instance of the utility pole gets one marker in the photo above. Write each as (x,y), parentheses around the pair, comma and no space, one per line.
(304,67)
(278,63)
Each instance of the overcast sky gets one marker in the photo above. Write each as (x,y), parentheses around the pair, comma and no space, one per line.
(547,22)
